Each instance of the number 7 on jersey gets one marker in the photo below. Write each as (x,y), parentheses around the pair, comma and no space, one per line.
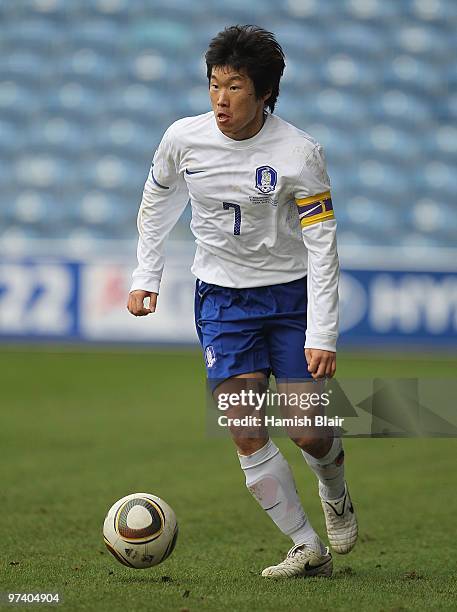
(237,219)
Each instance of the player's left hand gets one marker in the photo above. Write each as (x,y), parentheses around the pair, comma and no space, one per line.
(321,364)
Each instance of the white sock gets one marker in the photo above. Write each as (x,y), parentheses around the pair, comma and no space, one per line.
(329,470)
(270,480)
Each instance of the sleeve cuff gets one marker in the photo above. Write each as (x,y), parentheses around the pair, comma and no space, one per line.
(324,342)
(146,283)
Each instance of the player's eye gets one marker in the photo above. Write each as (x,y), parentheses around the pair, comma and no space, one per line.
(213,86)
(234,87)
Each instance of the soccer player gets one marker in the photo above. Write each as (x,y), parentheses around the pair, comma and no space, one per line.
(267,273)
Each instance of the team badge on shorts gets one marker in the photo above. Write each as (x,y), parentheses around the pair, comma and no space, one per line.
(266,178)
(210,356)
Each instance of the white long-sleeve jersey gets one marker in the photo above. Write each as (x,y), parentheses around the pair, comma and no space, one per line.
(262,213)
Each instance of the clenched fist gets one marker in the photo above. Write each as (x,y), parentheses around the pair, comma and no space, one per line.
(135,304)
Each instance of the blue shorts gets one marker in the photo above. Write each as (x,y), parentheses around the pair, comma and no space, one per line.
(260,329)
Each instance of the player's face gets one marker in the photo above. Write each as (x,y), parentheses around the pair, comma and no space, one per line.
(238,113)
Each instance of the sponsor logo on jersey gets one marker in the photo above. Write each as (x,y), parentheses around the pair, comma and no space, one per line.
(210,356)
(266,178)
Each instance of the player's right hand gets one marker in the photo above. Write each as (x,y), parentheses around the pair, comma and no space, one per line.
(135,304)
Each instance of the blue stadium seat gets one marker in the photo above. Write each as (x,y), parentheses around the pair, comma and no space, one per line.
(244,11)
(441,142)
(15,237)
(12,140)
(362,40)
(349,71)
(125,137)
(113,174)
(98,209)
(391,143)
(39,210)
(60,135)
(299,40)
(167,36)
(398,105)
(101,34)
(432,216)
(438,177)
(60,10)
(113,9)
(87,67)
(176,10)
(19,102)
(158,71)
(307,10)
(409,72)
(376,11)
(363,211)
(424,40)
(22,65)
(334,103)
(38,169)
(35,34)
(75,102)
(147,105)
(439,12)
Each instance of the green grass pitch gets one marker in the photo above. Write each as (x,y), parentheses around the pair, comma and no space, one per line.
(82,429)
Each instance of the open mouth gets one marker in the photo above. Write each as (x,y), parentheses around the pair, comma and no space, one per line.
(222,117)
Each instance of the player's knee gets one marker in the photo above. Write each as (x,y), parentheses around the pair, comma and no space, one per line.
(248,446)
(312,444)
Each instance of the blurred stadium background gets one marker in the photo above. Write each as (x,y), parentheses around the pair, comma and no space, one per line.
(87,88)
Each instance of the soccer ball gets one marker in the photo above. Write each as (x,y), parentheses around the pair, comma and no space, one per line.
(140,530)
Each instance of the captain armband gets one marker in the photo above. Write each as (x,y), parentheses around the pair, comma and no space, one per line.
(315,208)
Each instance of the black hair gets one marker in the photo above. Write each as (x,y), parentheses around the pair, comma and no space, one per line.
(253,50)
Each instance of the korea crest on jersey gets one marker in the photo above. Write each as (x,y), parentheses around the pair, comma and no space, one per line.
(266,178)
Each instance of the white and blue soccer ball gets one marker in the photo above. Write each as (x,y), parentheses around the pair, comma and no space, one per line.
(140,530)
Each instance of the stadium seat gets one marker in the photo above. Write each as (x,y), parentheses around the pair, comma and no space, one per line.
(88,68)
(167,36)
(36,34)
(104,35)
